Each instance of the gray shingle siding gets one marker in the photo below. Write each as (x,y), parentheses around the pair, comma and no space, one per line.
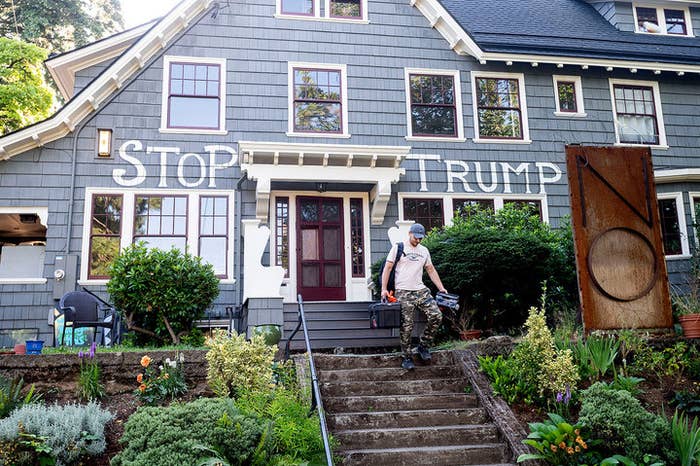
(258,47)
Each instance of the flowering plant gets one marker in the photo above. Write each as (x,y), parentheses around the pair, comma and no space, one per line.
(89,386)
(156,385)
(562,402)
(556,441)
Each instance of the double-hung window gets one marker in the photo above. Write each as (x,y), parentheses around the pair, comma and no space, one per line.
(500,109)
(195,221)
(317,100)
(568,96)
(673,225)
(637,113)
(194,95)
(662,20)
(434,104)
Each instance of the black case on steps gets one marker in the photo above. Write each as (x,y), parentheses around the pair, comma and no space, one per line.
(384,315)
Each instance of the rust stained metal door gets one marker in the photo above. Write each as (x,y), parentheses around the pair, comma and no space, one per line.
(622,275)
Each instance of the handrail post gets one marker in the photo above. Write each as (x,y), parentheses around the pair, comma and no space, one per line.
(316,395)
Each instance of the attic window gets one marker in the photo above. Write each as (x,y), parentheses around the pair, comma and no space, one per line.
(659,20)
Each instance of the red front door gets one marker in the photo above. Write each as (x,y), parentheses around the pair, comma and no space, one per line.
(320,249)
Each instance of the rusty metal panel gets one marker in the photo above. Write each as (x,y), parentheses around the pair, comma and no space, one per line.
(620,262)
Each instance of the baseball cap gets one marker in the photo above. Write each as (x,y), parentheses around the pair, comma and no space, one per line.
(418,230)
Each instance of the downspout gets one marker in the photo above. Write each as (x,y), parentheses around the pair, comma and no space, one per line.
(237,244)
(72,184)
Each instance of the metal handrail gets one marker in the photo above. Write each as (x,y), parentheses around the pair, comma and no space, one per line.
(316,401)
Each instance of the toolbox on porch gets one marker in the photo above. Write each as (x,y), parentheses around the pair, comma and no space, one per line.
(384,315)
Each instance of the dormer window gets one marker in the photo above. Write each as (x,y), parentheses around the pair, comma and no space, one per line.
(661,20)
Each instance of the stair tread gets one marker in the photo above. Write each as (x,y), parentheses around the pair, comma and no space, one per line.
(422,449)
(408,429)
(405,411)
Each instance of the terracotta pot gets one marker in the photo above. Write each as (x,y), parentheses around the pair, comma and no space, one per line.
(20,349)
(473,334)
(691,325)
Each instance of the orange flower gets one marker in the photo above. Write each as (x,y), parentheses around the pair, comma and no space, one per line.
(577,432)
(166,376)
(562,445)
(570,451)
(553,448)
(578,449)
(139,378)
(145,361)
(142,387)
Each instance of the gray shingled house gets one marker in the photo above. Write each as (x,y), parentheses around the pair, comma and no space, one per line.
(286,141)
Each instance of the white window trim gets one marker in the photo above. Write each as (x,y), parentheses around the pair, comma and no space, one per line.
(692,195)
(578,89)
(448,213)
(166,89)
(362,19)
(458,105)
(662,18)
(126,239)
(43,213)
(523,107)
(344,99)
(352,284)
(654,85)
(682,227)
(316,12)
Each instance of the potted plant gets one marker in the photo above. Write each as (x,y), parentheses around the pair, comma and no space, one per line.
(461,321)
(687,307)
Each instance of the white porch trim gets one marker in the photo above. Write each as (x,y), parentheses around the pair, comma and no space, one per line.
(265,162)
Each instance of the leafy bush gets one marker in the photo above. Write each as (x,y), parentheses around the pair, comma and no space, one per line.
(236,364)
(157,387)
(497,261)
(669,362)
(556,442)
(687,401)
(165,436)
(161,293)
(11,396)
(622,423)
(70,432)
(295,435)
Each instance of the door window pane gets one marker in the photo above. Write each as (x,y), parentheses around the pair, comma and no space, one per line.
(309,244)
(332,247)
(357,238)
(310,275)
(332,275)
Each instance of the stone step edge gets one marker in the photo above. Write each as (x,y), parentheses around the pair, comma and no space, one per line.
(407,411)
(422,449)
(425,428)
(448,379)
(420,396)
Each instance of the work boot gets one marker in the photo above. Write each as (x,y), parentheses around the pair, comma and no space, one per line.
(423,353)
(407,364)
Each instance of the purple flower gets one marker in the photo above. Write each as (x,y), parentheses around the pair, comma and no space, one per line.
(93,347)
(560,397)
(567,398)
(80,354)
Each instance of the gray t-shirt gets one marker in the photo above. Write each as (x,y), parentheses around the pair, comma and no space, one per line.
(409,269)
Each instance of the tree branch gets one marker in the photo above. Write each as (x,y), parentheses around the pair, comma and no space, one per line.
(176,339)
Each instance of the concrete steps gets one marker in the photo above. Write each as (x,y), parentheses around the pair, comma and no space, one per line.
(383,415)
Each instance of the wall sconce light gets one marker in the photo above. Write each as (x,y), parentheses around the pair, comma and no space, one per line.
(321,187)
(104,142)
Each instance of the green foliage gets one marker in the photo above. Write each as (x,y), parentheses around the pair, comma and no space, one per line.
(11,396)
(161,293)
(686,439)
(165,436)
(24,96)
(26,450)
(687,401)
(622,423)
(669,362)
(628,384)
(60,25)
(497,261)
(505,381)
(556,442)
(89,385)
(69,432)
(602,352)
(295,435)
(236,364)
(156,387)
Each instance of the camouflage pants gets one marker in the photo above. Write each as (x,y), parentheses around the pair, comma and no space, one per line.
(410,301)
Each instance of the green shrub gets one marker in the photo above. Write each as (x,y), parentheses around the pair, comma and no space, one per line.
(497,261)
(11,396)
(622,423)
(556,442)
(161,293)
(669,362)
(295,435)
(70,432)
(686,439)
(175,435)
(236,364)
